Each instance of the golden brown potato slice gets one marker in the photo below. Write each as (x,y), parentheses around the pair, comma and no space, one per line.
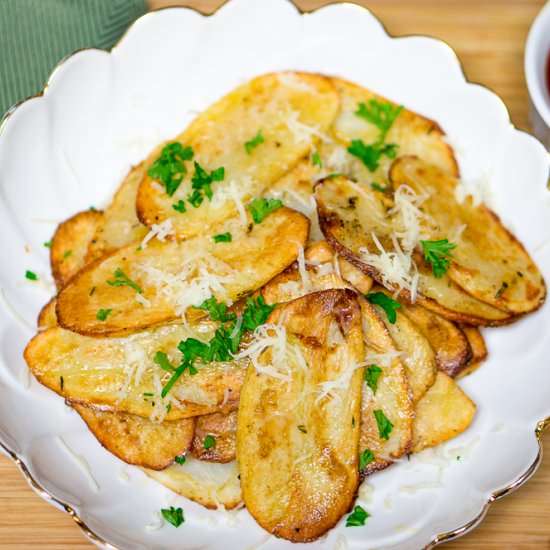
(215,437)
(351,213)
(479,350)
(120,225)
(488,262)
(120,374)
(136,440)
(70,243)
(391,395)
(443,413)
(451,347)
(47,317)
(298,422)
(291,110)
(207,483)
(412,133)
(168,277)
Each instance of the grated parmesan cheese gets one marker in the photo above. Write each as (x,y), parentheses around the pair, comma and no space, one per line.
(302,132)
(160,231)
(292,81)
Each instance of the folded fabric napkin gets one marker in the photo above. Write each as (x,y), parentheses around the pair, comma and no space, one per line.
(36,34)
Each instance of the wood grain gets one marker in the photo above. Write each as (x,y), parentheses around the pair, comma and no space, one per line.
(488,36)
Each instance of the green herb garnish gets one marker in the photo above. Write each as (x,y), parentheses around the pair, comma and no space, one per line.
(316,160)
(102,314)
(379,113)
(173,515)
(357,517)
(370,155)
(371,374)
(121,279)
(260,208)
(378,187)
(217,310)
(170,167)
(436,254)
(256,313)
(209,442)
(365,458)
(254,142)
(48,244)
(67,253)
(384,425)
(202,182)
(179,459)
(161,359)
(31,275)
(223,238)
(179,206)
(389,305)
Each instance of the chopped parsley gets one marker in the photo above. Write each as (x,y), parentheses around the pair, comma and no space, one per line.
(179,459)
(179,206)
(223,238)
(121,279)
(256,313)
(217,310)
(379,113)
(195,198)
(389,305)
(170,167)
(67,253)
(357,517)
(302,428)
(332,176)
(201,183)
(173,515)
(365,458)
(148,394)
(384,425)
(436,254)
(316,160)
(102,314)
(161,359)
(254,142)
(370,155)
(378,187)
(371,374)
(260,208)
(31,275)
(48,244)
(209,442)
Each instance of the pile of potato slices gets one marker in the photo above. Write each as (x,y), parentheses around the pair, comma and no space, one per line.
(278,302)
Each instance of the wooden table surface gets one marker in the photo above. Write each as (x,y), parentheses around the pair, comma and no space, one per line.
(489,37)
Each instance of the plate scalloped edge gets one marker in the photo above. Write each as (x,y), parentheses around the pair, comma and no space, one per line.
(435,540)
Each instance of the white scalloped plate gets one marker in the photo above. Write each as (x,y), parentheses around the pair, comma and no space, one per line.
(69,147)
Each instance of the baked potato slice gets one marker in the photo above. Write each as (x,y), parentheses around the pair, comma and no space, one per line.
(451,347)
(411,132)
(478,347)
(119,225)
(119,374)
(357,224)
(47,317)
(488,261)
(136,440)
(168,277)
(298,422)
(70,244)
(207,483)
(444,412)
(288,110)
(215,437)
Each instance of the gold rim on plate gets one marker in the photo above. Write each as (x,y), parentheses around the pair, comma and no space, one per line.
(436,540)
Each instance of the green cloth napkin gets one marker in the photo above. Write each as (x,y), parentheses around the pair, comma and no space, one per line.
(36,34)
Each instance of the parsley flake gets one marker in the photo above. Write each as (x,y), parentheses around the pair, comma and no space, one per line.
(389,305)
(371,374)
(378,187)
(384,425)
(67,253)
(173,515)
(254,142)
(357,517)
(261,208)
(316,160)
(161,359)
(436,254)
(31,275)
(48,244)
(121,279)
(256,313)
(223,238)
(170,167)
(179,206)
(379,113)
(179,459)
(102,314)
(202,182)
(209,442)
(217,310)
(365,458)
(370,155)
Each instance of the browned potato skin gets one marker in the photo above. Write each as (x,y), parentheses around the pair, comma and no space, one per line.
(136,440)
(487,255)
(47,317)
(259,254)
(282,495)
(451,347)
(479,350)
(443,413)
(223,428)
(345,236)
(70,243)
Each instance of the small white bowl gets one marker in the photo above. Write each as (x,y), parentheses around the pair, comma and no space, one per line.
(536,59)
